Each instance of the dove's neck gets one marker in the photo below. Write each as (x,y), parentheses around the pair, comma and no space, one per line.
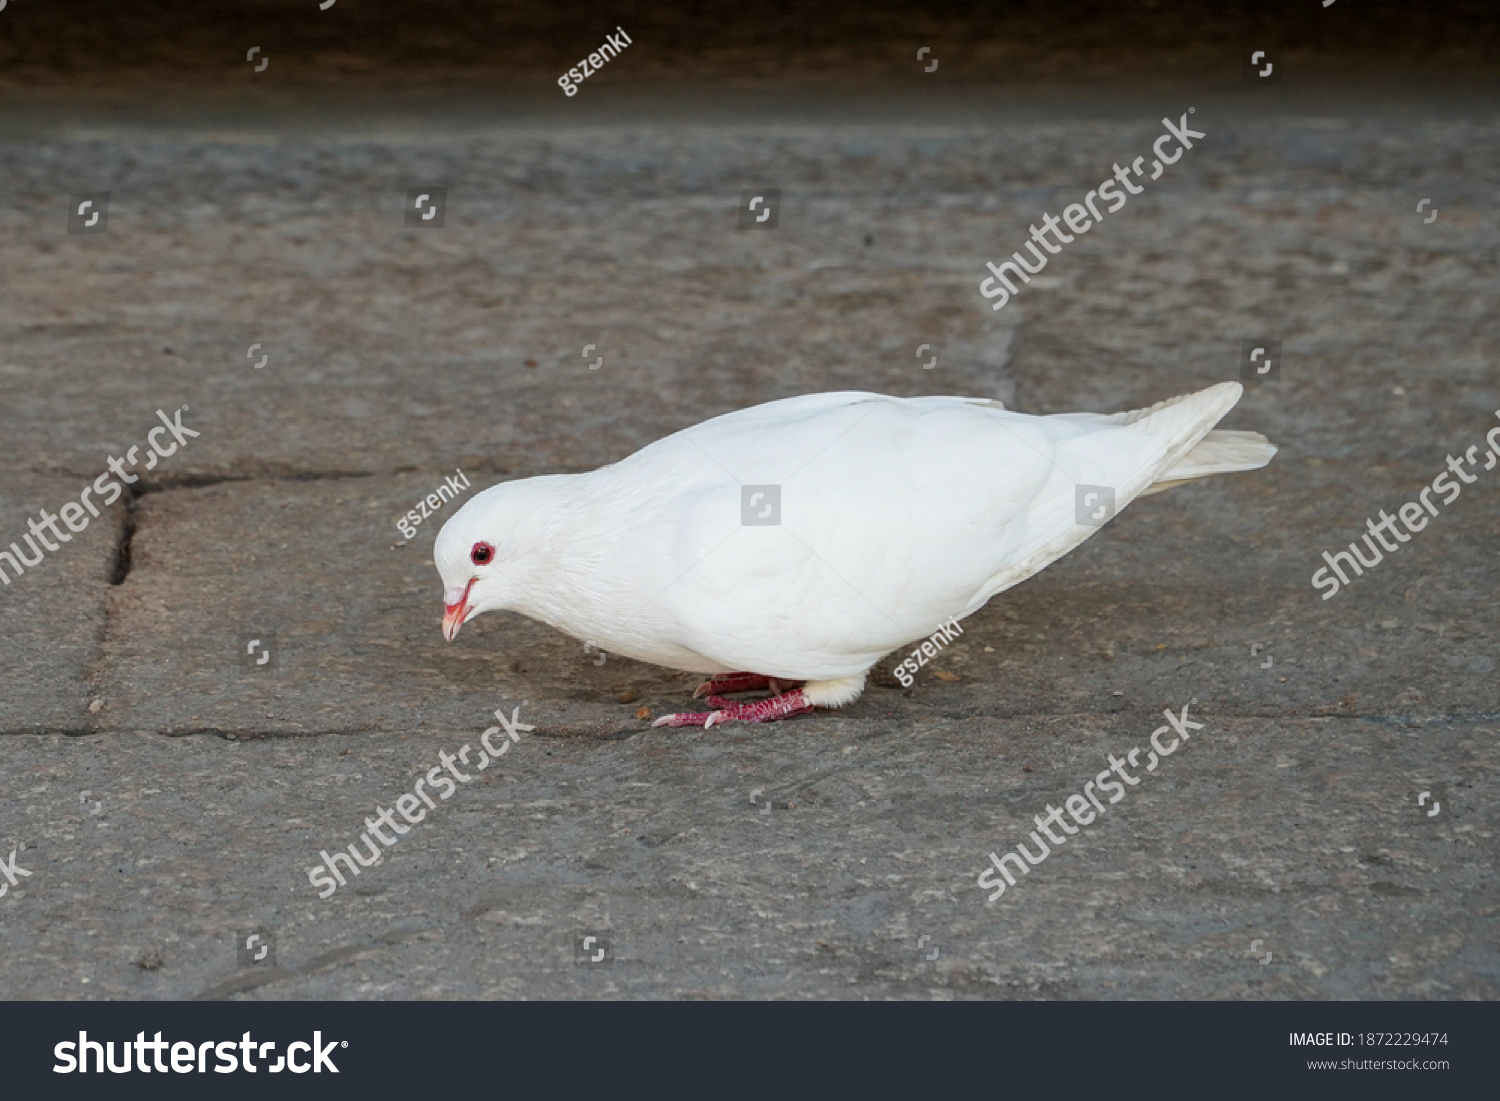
(562,553)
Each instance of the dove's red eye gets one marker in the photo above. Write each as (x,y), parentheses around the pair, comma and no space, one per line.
(482,554)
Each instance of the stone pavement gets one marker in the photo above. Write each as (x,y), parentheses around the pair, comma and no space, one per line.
(167,795)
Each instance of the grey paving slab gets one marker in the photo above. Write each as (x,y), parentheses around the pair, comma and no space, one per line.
(52,612)
(393,349)
(346,613)
(1301,838)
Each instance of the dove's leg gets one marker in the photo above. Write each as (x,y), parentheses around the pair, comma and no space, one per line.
(732,682)
(740,682)
(826,693)
(761,711)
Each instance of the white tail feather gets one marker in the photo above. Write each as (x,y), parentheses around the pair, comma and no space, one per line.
(1219,452)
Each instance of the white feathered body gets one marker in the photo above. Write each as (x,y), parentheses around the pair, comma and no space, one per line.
(896,515)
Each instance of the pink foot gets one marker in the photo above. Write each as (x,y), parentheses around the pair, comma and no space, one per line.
(742,682)
(761,711)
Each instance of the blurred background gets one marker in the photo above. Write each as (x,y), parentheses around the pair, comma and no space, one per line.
(191,56)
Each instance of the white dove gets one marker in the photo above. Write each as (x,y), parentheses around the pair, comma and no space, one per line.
(800,541)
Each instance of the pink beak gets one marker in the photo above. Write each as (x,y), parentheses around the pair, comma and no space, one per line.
(456,611)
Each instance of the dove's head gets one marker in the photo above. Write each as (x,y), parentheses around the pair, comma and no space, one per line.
(489,545)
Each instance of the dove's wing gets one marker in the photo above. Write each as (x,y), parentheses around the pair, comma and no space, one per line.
(877,519)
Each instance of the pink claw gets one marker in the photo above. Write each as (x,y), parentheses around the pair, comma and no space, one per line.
(685,718)
(769,710)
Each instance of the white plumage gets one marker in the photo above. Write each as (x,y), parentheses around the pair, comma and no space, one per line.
(896,514)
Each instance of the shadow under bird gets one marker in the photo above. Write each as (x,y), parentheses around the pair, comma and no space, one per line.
(874,520)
